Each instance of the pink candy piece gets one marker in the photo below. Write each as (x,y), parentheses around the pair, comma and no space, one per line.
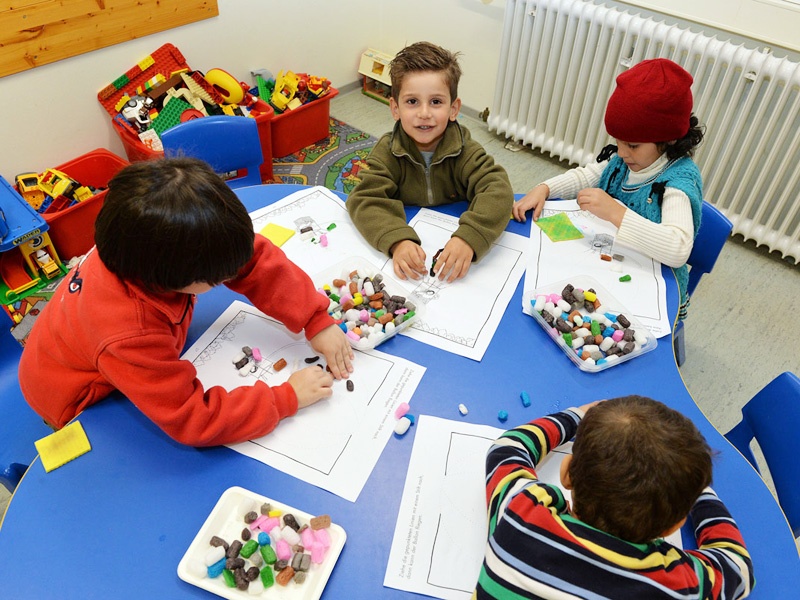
(307,537)
(401,410)
(323,240)
(257,355)
(554,298)
(258,522)
(617,335)
(363,316)
(270,523)
(283,551)
(317,553)
(323,537)
(353,336)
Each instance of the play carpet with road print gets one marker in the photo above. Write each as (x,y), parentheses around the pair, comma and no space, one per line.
(333,162)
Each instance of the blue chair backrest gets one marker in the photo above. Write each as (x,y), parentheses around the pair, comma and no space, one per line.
(226,143)
(714,230)
(772,417)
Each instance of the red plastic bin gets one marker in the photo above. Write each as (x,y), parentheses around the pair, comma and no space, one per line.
(72,229)
(167,60)
(303,126)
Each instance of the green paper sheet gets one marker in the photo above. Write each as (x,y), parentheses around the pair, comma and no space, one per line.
(559,228)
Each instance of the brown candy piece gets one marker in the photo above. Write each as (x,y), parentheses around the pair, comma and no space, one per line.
(320,522)
(279,364)
(350,385)
(284,576)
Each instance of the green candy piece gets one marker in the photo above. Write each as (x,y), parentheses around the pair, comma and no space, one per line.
(268,554)
(248,549)
(625,278)
(267,578)
(334,297)
(595,328)
(409,315)
(230,580)
(567,338)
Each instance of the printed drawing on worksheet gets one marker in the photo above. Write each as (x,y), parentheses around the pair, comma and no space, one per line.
(461,317)
(643,295)
(333,443)
(312,213)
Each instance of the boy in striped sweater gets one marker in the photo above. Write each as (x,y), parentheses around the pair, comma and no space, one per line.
(637,470)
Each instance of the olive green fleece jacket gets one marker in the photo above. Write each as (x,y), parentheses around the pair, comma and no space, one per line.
(460,170)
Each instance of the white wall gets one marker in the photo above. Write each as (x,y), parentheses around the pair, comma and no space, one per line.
(51,114)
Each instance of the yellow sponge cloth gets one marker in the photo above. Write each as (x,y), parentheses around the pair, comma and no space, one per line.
(63,446)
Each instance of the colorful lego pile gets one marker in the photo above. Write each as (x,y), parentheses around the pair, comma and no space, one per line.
(162,91)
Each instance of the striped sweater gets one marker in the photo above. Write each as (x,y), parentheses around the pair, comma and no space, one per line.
(536,549)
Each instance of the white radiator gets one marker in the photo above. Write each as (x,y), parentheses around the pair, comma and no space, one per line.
(558,64)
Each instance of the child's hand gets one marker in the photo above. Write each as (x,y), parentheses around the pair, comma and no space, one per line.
(311,385)
(534,199)
(454,261)
(586,407)
(409,260)
(333,345)
(600,204)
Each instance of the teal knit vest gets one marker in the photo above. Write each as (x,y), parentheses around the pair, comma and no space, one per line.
(645,199)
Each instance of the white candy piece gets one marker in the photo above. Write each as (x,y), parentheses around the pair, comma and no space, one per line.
(577,342)
(402,425)
(197,568)
(563,305)
(462,409)
(214,555)
(606,344)
(238,357)
(256,588)
(538,306)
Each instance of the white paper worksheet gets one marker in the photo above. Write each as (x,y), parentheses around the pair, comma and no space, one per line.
(440,535)
(461,317)
(333,444)
(644,296)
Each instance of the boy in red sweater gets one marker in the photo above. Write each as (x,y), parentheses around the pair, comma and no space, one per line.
(170,229)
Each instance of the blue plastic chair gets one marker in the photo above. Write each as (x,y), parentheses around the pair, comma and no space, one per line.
(715,228)
(772,418)
(20,426)
(224,142)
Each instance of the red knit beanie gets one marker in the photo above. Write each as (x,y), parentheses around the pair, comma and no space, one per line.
(651,103)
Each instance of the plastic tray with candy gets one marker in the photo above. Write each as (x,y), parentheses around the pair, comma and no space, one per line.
(355,285)
(227,521)
(606,339)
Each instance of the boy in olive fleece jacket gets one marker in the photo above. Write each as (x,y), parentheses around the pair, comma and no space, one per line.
(428,160)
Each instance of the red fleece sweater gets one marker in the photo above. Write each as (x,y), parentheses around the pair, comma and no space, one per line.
(99,333)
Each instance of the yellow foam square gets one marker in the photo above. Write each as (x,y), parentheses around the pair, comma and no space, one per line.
(63,446)
(276,234)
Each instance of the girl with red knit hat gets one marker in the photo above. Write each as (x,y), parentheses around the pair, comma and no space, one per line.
(647,184)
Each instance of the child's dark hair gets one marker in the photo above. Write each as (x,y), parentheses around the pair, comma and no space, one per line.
(637,468)
(168,223)
(687,144)
(424,56)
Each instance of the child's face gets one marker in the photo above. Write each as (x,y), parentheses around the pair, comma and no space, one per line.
(424,108)
(638,156)
(199,287)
